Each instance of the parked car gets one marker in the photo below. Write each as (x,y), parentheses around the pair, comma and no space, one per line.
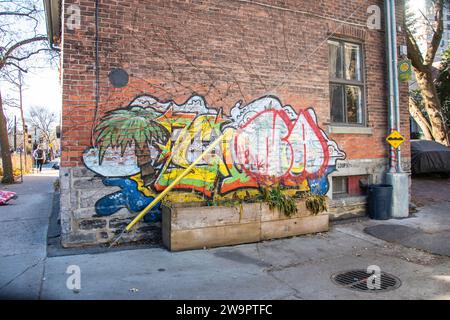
(429,157)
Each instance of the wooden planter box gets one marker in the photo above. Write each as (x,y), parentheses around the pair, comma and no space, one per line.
(199,227)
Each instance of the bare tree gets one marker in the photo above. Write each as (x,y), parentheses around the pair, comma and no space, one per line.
(21,38)
(432,123)
(45,121)
(17,102)
(10,125)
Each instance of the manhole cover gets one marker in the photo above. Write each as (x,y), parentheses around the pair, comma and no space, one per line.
(358,280)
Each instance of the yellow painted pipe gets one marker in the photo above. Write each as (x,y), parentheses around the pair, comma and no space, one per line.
(173,184)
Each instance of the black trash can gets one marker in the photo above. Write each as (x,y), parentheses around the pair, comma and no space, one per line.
(380,199)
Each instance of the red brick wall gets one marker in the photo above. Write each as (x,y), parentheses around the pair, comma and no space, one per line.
(225,51)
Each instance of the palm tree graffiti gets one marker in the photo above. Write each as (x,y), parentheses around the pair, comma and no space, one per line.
(135,126)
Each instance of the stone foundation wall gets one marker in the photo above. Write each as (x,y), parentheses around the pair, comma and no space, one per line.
(351,207)
(80,226)
(348,208)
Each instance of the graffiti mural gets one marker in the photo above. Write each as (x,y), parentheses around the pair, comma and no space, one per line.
(142,148)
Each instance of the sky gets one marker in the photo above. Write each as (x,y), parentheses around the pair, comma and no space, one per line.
(418,8)
(417,4)
(41,89)
(41,86)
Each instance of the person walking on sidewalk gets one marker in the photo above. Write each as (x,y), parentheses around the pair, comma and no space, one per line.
(39,156)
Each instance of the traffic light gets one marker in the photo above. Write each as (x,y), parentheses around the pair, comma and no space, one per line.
(29,138)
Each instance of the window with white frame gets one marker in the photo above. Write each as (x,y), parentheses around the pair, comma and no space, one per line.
(346,82)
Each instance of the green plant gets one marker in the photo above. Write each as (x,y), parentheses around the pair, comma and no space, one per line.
(275,198)
(315,203)
(166,203)
(224,203)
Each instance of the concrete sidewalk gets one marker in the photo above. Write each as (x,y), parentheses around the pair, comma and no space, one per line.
(23,234)
(296,268)
(429,230)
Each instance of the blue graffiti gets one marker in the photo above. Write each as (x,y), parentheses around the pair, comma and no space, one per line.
(128,197)
(320,185)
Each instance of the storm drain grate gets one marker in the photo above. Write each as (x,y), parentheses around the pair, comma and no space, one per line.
(357,280)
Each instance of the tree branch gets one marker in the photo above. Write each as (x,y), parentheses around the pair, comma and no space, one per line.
(20,10)
(420,119)
(9,63)
(29,55)
(433,45)
(18,45)
(414,53)
(21,14)
(428,22)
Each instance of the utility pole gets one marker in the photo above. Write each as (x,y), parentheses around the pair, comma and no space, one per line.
(15,133)
(24,126)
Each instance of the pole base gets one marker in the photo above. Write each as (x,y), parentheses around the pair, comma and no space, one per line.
(400,194)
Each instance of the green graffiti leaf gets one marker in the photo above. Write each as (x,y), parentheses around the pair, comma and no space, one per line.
(123,127)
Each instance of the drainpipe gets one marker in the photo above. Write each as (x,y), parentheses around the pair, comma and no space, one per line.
(395,78)
(395,175)
(388,32)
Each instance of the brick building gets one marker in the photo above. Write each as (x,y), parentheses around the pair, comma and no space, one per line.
(297,88)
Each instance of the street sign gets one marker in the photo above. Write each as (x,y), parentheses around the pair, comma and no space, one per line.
(404,70)
(395,139)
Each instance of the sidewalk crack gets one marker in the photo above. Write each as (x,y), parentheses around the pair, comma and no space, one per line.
(21,273)
(296,292)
